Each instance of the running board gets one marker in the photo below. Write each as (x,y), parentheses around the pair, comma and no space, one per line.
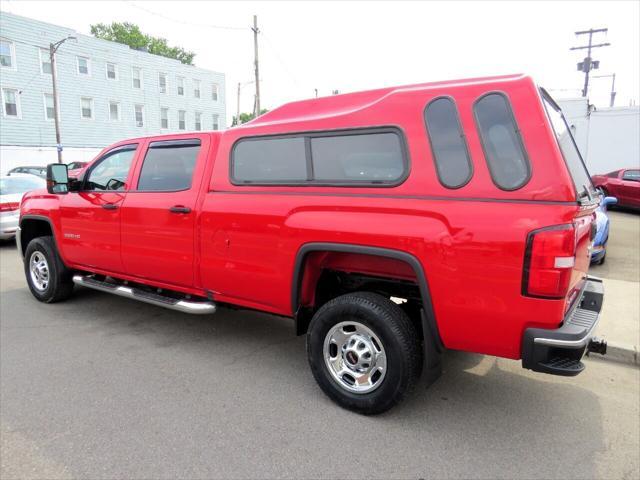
(185,306)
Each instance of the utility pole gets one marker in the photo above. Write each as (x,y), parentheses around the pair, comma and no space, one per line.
(613,87)
(238,114)
(53,47)
(255,49)
(588,63)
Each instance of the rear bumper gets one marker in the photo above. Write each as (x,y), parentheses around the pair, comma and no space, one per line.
(560,351)
(8,225)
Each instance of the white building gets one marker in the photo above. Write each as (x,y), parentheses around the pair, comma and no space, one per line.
(608,138)
(106,91)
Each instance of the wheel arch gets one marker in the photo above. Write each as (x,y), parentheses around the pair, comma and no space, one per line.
(429,324)
(34,226)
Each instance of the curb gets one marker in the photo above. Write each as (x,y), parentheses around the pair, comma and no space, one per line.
(621,353)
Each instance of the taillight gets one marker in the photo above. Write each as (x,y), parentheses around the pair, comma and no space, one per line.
(549,261)
(9,206)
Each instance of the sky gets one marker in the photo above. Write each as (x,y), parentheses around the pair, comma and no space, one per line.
(351,46)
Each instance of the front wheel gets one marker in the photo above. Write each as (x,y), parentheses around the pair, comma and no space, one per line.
(48,279)
(364,352)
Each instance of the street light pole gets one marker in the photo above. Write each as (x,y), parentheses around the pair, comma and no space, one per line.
(53,47)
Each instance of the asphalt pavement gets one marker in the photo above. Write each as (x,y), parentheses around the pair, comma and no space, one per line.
(106,387)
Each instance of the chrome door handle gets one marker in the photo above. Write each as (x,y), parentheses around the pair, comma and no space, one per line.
(109,206)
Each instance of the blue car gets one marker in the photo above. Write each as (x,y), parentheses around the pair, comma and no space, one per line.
(599,249)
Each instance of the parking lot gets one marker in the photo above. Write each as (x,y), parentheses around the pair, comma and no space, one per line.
(105,387)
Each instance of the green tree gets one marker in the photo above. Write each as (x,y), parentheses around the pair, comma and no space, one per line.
(130,34)
(245,117)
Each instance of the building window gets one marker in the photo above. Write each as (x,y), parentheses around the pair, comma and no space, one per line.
(196,88)
(86,108)
(214,92)
(198,121)
(112,71)
(448,144)
(7,54)
(114,111)
(182,120)
(49,112)
(216,121)
(45,61)
(162,82)
(139,110)
(164,117)
(11,102)
(180,85)
(84,66)
(136,76)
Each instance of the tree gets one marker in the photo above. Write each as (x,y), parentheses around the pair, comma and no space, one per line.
(130,34)
(246,117)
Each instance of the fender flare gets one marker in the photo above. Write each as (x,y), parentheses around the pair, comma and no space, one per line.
(429,325)
(21,249)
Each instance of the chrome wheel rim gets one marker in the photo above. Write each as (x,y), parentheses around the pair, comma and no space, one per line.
(355,357)
(39,271)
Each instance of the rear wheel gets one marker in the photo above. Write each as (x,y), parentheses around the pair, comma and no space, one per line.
(48,279)
(364,352)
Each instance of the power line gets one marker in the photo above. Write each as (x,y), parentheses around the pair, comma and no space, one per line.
(280,60)
(184,22)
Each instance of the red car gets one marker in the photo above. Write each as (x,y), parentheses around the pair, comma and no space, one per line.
(75,168)
(388,224)
(623,184)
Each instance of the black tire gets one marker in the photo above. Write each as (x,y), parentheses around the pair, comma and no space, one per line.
(399,339)
(59,286)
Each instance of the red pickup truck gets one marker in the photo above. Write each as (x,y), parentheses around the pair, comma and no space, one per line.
(389,224)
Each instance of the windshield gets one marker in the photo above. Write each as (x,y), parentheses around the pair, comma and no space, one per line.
(570,152)
(14,185)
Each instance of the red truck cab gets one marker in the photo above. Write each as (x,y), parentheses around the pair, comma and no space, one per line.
(389,224)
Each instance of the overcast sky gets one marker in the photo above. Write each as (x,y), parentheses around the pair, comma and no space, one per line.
(349,46)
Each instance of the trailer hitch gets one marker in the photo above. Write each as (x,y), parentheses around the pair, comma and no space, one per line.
(597,345)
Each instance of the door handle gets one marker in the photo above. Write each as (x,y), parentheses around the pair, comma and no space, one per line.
(109,206)
(179,209)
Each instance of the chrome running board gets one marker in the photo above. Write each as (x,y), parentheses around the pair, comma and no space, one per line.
(185,306)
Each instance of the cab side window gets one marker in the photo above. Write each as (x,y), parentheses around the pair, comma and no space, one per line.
(168,166)
(112,170)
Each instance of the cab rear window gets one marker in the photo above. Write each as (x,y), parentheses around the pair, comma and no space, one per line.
(501,142)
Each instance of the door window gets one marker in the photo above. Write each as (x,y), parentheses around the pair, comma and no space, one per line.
(112,170)
(631,175)
(168,166)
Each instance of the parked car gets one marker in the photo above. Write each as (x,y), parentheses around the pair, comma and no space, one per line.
(599,248)
(75,169)
(623,184)
(388,224)
(76,165)
(12,188)
(31,170)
